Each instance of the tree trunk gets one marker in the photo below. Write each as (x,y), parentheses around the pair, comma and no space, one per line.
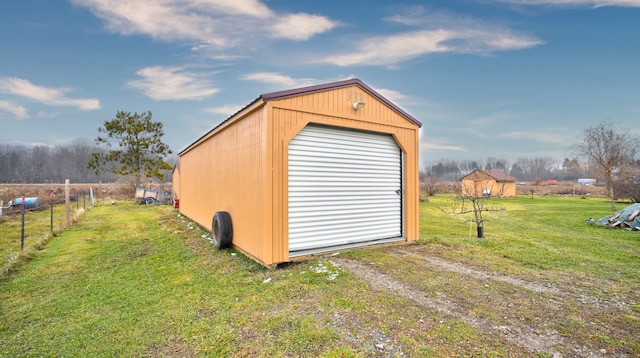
(612,195)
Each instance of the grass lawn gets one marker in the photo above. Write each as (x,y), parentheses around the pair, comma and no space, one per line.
(37,228)
(135,280)
(539,234)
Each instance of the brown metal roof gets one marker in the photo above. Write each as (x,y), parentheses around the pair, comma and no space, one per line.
(495,174)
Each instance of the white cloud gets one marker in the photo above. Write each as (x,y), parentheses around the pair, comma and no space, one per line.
(392,95)
(17,110)
(558,136)
(301,26)
(253,8)
(500,116)
(172,83)
(210,23)
(46,95)
(436,33)
(566,3)
(226,110)
(391,50)
(279,79)
(438,145)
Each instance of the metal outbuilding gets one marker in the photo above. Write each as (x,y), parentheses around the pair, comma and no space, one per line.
(305,171)
(492,183)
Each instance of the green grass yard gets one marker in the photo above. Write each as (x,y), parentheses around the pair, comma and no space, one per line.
(536,235)
(134,280)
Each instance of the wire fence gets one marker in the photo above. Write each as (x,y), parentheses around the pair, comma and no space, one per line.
(25,226)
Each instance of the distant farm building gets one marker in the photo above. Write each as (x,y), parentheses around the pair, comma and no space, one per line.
(552,182)
(305,171)
(490,183)
(586,181)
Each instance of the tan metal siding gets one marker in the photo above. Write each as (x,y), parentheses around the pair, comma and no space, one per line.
(225,172)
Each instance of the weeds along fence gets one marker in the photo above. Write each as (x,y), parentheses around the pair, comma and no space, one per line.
(25,226)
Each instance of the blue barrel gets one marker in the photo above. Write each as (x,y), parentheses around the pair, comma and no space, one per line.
(29,203)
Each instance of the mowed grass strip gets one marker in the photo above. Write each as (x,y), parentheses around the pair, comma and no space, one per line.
(140,280)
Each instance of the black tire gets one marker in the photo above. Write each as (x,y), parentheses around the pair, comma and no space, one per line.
(221,230)
(149,201)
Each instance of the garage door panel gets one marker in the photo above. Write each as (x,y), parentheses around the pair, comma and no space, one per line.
(312,244)
(340,236)
(319,134)
(306,205)
(349,228)
(342,158)
(343,189)
(312,218)
(378,184)
(301,196)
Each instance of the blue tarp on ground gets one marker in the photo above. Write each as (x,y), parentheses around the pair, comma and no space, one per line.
(627,218)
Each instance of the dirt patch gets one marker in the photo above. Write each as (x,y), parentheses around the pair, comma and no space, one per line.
(618,302)
(535,341)
(374,341)
(174,347)
(537,333)
(464,270)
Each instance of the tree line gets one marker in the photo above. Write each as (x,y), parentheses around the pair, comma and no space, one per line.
(42,164)
(524,169)
(130,146)
(54,164)
(607,152)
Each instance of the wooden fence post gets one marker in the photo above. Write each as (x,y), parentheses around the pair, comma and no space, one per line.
(66,200)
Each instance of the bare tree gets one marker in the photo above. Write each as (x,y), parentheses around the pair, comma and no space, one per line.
(612,149)
(629,188)
(473,200)
(79,155)
(429,185)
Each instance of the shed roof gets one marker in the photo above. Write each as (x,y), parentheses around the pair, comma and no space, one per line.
(272,96)
(493,174)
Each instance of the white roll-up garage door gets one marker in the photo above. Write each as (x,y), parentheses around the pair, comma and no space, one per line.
(345,189)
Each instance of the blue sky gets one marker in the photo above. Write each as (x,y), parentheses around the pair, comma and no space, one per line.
(506,79)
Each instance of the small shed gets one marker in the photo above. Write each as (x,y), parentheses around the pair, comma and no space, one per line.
(492,183)
(305,171)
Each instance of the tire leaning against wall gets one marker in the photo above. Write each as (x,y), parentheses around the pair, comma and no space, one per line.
(221,230)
